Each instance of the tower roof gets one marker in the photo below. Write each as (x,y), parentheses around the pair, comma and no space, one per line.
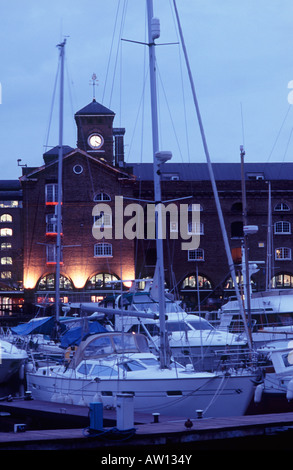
(94,108)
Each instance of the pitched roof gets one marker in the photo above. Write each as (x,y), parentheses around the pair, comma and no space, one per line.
(222,171)
(94,108)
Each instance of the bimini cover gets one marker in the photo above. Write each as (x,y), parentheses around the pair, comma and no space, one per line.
(43,326)
(73,336)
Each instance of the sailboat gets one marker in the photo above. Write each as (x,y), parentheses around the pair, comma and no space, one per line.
(112,363)
(270,311)
(12,359)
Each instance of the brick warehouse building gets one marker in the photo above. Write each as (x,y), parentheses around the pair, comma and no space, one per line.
(94,173)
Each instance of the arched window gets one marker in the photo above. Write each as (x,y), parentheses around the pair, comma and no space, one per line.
(229,284)
(102,281)
(6,218)
(102,197)
(6,232)
(190,282)
(6,260)
(102,250)
(281,207)
(282,226)
(47,282)
(282,281)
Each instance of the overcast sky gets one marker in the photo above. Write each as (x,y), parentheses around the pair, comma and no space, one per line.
(241,54)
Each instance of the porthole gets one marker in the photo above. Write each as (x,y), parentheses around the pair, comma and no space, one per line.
(78,169)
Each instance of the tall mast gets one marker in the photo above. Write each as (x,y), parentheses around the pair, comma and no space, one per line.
(269,242)
(213,182)
(153,33)
(60,162)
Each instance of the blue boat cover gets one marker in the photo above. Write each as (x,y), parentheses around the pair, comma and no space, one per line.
(74,336)
(43,326)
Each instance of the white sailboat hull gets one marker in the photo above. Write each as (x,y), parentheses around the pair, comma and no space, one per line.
(215,395)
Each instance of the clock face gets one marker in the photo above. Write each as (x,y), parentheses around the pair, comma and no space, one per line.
(95,141)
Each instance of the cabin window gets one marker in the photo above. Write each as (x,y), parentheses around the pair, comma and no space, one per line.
(103,371)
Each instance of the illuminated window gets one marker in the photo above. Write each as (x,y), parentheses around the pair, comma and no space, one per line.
(102,197)
(10,204)
(102,281)
(191,282)
(6,218)
(6,260)
(6,246)
(6,232)
(48,282)
(103,249)
(282,281)
(6,275)
(283,253)
(196,255)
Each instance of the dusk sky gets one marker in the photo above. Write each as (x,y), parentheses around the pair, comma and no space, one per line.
(241,55)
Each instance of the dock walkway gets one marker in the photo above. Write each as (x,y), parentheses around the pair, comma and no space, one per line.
(71,423)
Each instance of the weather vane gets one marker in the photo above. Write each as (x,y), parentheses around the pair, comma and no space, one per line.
(94,82)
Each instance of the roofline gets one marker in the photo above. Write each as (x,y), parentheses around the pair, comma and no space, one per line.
(85,154)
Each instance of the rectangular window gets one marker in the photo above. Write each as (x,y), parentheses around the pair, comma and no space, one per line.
(51,254)
(51,193)
(103,220)
(195,228)
(103,250)
(51,224)
(196,255)
(6,232)
(6,260)
(282,227)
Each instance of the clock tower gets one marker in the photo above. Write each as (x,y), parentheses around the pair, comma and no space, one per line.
(95,131)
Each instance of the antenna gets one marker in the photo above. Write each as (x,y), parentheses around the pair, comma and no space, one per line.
(94,82)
